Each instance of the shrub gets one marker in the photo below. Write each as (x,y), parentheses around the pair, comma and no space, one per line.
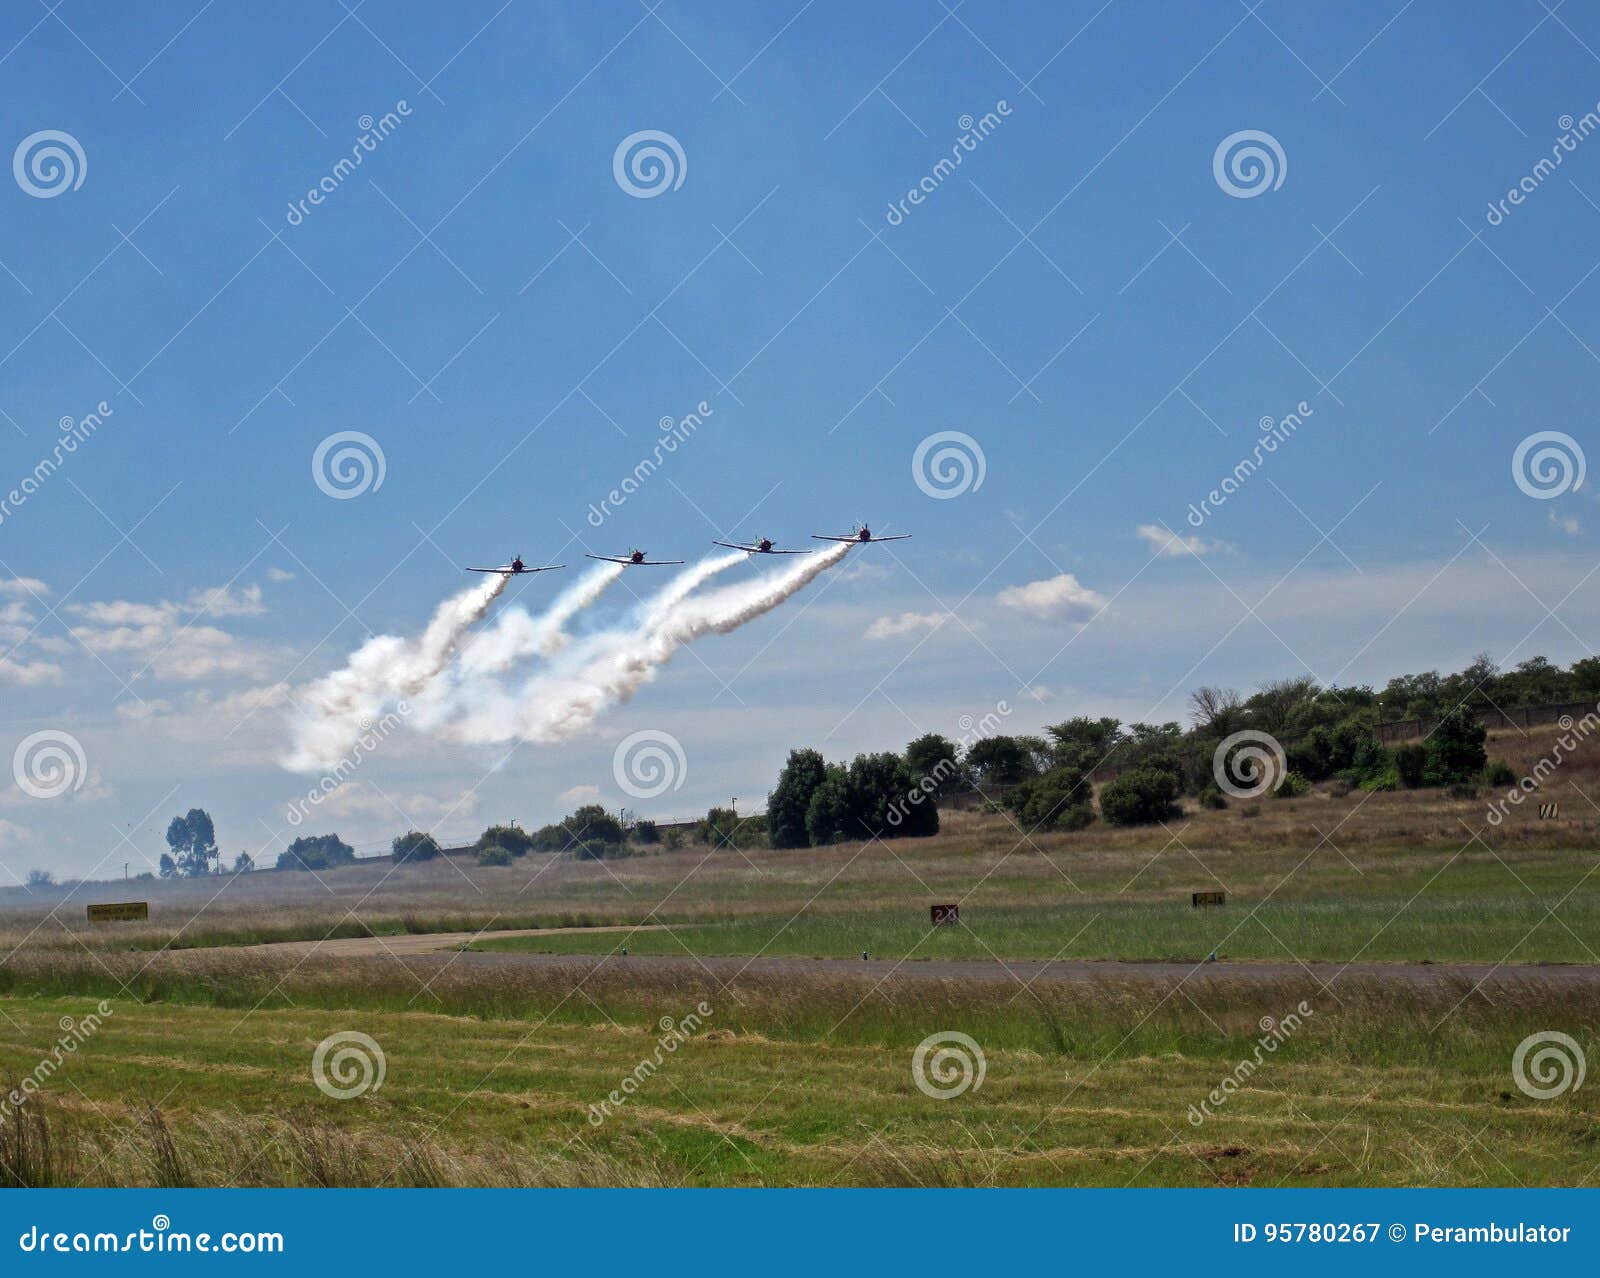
(646,832)
(414,845)
(1250,813)
(1411,763)
(1061,799)
(718,827)
(315,852)
(1499,773)
(672,840)
(1455,748)
(600,850)
(513,838)
(1462,790)
(494,854)
(1140,796)
(1292,786)
(1339,788)
(1212,798)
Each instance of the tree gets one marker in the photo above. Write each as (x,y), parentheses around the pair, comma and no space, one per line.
(1140,796)
(791,797)
(414,845)
(645,832)
(316,852)
(1215,710)
(999,761)
(243,863)
(41,878)
(885,799)
(169,867)
(1084,743)
(193,840)
(1061,799)
(830,811)
(933,757)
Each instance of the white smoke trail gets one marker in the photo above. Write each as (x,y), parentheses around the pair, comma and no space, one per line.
(470,691)
(336,709)
(609,668)
(516,633)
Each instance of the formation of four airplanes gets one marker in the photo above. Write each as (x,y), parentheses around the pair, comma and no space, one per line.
(636,559)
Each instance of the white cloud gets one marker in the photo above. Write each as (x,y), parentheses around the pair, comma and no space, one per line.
(222,601)
(165,636)
(1165,542)
(1063,596)
(581,794)
(279,574)
(23,586)
(906,623)
(1042,692)
(11,834)
(1566,523)
(28,673)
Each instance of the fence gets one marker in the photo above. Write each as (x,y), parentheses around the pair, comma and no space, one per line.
(1492,717)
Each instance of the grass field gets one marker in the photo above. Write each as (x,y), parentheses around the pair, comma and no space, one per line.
(1097,1090)
(202,1071)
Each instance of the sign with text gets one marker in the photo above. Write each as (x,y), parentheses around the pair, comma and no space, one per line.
(942,914)
(1201,899)
(120,912)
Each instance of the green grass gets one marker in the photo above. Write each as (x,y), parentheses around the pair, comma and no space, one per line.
(508,1102)
(1437,927)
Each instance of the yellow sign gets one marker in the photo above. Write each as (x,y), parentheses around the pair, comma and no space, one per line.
(120,912)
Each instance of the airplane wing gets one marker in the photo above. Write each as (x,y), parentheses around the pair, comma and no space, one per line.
(499,570)
(786,552)
(896,537)
(659,563)
(546,568)
(610,559)
(733,545)
(824,537)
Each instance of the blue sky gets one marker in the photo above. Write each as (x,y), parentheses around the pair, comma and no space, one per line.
(1081,298)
